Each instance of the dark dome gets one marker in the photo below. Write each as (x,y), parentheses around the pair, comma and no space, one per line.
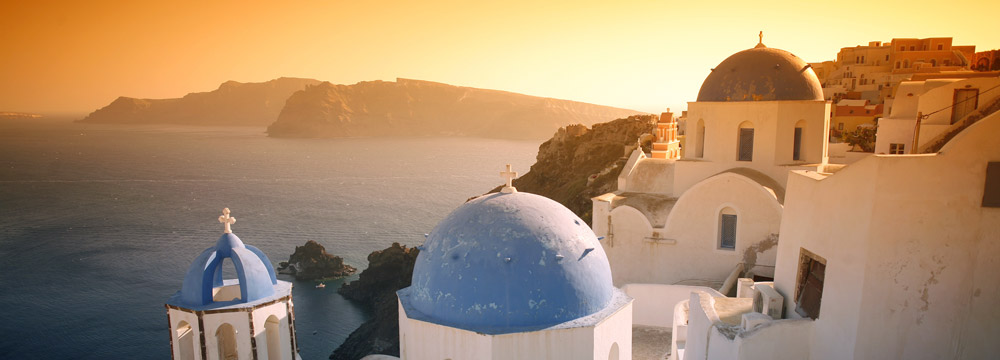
(761,74)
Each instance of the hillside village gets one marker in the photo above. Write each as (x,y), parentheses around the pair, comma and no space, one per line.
(747,229)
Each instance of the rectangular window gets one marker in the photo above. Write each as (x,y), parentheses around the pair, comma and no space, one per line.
(797,144)
(809,288)
(746,145)
(991,194)
(727,232)
(896,149)
(939,46)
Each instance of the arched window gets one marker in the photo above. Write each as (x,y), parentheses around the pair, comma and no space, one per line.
(744,147)
(271,327)
(225,341)
(797,140)
(613,355)
(185,341)
(727,229)
(699,151)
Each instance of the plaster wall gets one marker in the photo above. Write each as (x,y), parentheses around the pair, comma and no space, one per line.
(776,340)
(692,228)
(774,123)
(615,330)
(654,304)
(176,316)
(240,321)
(423,340)
(260,316)
(701,317)
(835,231)
(572,343)
(913,276)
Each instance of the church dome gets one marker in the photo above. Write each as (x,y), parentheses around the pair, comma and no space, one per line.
(508,262)
(761,74)
(253,270)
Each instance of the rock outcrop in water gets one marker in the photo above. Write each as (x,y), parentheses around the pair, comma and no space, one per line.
(388,271)
(423,108)
(233,103)
(312,262)
(578,163)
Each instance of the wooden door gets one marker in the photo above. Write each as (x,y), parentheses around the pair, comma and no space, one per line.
(965,102)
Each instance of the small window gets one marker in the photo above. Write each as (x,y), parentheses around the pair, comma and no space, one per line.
(809,287)
(940,47)
(797,144)
(840,126)
(727,229)
(912,48)
(902,48)
(887,58)
(991,194)
(745,152)
(896,149)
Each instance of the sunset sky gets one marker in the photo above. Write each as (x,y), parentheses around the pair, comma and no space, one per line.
(77,56)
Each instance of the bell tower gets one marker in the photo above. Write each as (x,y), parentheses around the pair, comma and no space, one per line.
(666,145)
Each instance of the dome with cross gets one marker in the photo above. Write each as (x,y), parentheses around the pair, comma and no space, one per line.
(255,277)
(509,262)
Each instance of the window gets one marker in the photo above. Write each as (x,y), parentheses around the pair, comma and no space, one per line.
(991,194)
(797,143)
(902,48)
(809,288)
(912,48)
(896,149)
(897,64)
(745,142)
(700,148)
(940,47)
(887,58)
(840,126)
(727,229)
(933,62)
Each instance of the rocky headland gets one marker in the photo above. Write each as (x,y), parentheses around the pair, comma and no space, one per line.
(233,103)
(576,164)
(388,270)
(312,262)
(423,108)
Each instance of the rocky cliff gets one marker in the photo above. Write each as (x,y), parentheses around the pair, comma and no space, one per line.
(233,103)
(312,262)
(578,163)
(388,270)
(424,108)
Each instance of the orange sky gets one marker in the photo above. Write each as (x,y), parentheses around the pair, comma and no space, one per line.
(77,56)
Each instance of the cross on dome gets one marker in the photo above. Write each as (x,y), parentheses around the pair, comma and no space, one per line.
(760,42)
(227,220)
(509,175)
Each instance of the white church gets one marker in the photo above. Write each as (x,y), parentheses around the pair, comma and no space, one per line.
(745,244)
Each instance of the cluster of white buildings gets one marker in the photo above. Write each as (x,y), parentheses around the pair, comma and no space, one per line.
(747,243)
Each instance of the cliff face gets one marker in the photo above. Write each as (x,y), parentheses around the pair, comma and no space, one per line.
(312,262)
(388,270)
(578,163)
(423,108)
(233,103)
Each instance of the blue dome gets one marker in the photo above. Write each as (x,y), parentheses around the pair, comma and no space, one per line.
(253,270)
(509,262)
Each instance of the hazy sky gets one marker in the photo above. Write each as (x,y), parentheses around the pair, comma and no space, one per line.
(77,56)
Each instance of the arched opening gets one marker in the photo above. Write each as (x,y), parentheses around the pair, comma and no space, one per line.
(933,62)
(727,229)
(225,341)
(231,292)
(271,327)
(185,341)
(797,140)
(699,151)
(613,355)
(744,141)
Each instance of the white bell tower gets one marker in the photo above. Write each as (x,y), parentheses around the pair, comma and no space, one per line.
(249,317)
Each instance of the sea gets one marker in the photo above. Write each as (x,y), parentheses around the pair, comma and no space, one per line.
(99,223)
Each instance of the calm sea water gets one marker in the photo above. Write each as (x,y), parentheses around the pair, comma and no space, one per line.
(98,223)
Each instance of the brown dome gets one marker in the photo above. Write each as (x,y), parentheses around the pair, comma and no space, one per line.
(761,74)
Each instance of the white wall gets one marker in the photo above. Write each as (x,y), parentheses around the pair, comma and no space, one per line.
(654,304)
(260,316)
(693,223)
(911,266)
(240,322)
(176,316)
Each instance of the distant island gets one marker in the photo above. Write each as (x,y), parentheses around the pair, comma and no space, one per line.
(423,108)
(18,115)
(233,103)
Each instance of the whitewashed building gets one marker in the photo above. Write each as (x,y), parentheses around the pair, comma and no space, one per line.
(716,211)
(513,275)
(249,317)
